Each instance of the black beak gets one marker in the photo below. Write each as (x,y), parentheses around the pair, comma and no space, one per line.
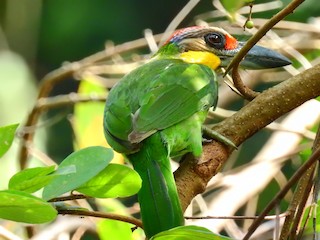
(259,58)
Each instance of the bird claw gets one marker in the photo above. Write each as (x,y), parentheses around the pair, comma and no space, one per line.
(217,136)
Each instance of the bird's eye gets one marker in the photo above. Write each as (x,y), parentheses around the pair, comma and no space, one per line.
(215,40)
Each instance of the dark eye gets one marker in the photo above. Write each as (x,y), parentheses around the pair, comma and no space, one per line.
(215,40)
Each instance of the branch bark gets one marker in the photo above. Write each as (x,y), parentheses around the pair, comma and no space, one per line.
(193,174)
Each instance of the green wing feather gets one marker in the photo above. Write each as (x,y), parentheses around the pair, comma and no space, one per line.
(156,96)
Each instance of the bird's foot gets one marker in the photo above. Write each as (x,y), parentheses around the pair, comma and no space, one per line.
(217,136)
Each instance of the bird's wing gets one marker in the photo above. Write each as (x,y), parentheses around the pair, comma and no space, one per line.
(176,94)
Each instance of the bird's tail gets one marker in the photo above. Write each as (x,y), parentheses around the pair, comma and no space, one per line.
(158,196)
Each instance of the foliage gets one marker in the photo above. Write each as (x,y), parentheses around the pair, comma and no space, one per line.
(188,233)
(23,207)
(87,171)
(6,137)
(78,168)
(258,172)
(31,180)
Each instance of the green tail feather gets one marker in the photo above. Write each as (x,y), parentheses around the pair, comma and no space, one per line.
(158,197)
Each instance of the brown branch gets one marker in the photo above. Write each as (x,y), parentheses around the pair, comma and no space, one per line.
(234,64)
(112,216)
(193,175)
(292,224)
(65,100)
(261,32)
(245,91)
(69,198)
(297,175)
(271,217)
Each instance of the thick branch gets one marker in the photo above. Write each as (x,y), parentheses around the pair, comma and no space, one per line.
(192,176)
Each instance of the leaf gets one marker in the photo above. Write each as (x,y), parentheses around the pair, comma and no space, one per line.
(23,207)
(31,179)
(115,230)
(87,163)
(6,137)
(307,152)
(315,215)
(232,6)
(88,118)
(188,233)
(113,205)
(114,181)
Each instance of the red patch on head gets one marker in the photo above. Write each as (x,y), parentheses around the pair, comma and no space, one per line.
(181,32)
(231,42)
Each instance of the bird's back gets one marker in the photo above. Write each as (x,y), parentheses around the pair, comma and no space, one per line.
(153,97)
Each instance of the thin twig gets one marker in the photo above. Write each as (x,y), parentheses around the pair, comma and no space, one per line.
(178,19)
(261,32)
(68,99)
(271,217)
(112,216)
(234,64)
(69,198)
(245,91)
(5,234)
(313,158)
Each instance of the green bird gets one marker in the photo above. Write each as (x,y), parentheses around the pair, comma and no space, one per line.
(156,112)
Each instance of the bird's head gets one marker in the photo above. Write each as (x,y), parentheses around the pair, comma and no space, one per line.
(215,48)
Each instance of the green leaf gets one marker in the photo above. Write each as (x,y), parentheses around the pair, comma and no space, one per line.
(114,181)
(306,153)
(88,117)
(188,233)
(312,211)
(115,230)
(6,137)
(87,121)
(23,207)
(233,6)
(31,179)
(87,163)
(113,205)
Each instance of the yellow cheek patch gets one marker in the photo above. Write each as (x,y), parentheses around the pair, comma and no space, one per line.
(205,58)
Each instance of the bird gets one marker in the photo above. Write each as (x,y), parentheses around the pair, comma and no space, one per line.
(156,112)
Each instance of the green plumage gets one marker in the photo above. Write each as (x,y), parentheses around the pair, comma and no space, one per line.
(154,113)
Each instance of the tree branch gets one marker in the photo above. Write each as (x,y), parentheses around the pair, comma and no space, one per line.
(261,32)
(112,216)
(248,93)
(193,174)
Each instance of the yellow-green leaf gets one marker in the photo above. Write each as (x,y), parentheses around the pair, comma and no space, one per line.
(24,207)
(31,179)
(86,163)
(6,137)
(114,181)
